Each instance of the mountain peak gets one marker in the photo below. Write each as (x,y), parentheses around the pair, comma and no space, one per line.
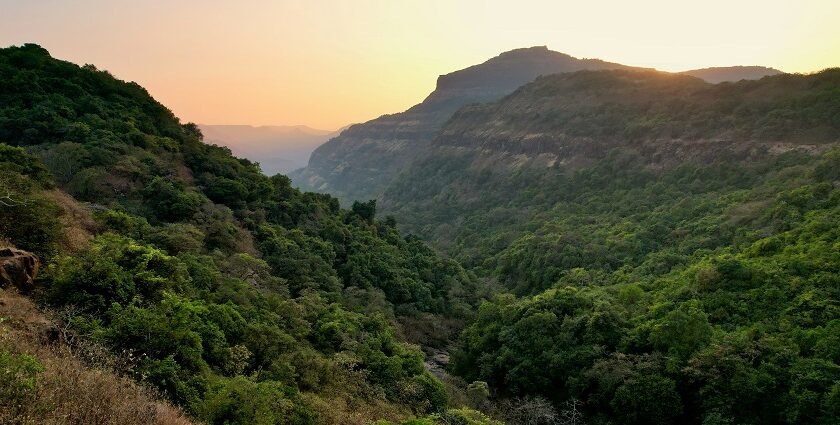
(515,67)
(538,50)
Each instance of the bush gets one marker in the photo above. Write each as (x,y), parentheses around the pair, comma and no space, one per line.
(242,401)
(28,219)
(17,379)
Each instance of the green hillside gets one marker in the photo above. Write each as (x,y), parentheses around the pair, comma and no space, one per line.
(670,246)
(622,247)
(236,296)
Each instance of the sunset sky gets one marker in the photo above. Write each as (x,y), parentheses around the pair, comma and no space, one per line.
(330,63)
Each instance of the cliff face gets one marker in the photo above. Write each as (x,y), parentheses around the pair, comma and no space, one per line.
(487,155)
(360,162)
(585,114)
(363,159)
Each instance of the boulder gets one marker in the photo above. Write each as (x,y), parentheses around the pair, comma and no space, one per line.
(18,268)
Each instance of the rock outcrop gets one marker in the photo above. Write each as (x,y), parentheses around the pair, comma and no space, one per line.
(18,268)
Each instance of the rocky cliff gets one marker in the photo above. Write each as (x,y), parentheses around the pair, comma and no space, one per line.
(360,162)
(491,155)
(363,159)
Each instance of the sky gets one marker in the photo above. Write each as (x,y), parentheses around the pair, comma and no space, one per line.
(329,63)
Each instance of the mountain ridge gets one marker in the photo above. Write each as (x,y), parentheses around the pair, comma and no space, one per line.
(720,74)
(572,121)
(360,161)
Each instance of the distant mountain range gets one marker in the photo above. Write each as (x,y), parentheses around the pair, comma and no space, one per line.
(732,73)
(360,162)
(278,149)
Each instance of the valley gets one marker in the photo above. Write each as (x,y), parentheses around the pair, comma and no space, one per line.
(277,149)
(542,240)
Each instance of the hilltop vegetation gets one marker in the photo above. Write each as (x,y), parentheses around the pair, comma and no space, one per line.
(238,297)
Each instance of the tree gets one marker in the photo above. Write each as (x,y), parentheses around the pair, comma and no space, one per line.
(647,399)
(170,201)
(365,210)
(571,413)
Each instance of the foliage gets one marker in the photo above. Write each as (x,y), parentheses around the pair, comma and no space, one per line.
(236,295)
(17,379)
(449,417)
(27,216)
(640,290)
(671,266)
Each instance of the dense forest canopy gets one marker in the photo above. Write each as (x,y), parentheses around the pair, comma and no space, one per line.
(668,245)
(240,298)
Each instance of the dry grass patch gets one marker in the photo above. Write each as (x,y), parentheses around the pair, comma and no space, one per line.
(54,387)
(78,223)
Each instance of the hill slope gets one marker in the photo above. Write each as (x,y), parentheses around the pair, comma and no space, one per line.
(664,240)
(360,162)
(236,296)
(562,124)
(357,164)
(732,73)
(48,381)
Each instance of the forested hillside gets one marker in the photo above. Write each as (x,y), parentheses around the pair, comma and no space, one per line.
(360,162)
(624,247)
(561,140)
(363,160)
(669,246)
(234,295)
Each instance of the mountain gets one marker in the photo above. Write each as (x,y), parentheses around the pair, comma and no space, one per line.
(562,123)
(360,162)
(231,294)
(732,73)
(662,243)
(357,164)
(278,149)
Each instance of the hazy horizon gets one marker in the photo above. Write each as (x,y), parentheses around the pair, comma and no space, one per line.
(328,64)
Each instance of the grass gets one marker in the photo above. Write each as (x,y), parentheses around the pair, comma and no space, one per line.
(69,390)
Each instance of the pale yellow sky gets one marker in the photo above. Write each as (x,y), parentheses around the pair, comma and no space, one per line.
(329,63)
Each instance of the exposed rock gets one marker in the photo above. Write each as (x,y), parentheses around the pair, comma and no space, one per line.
(562,123)
(436,362)
(18,268)
(363,159)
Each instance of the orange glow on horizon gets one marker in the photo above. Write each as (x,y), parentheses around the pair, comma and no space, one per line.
(326,64)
